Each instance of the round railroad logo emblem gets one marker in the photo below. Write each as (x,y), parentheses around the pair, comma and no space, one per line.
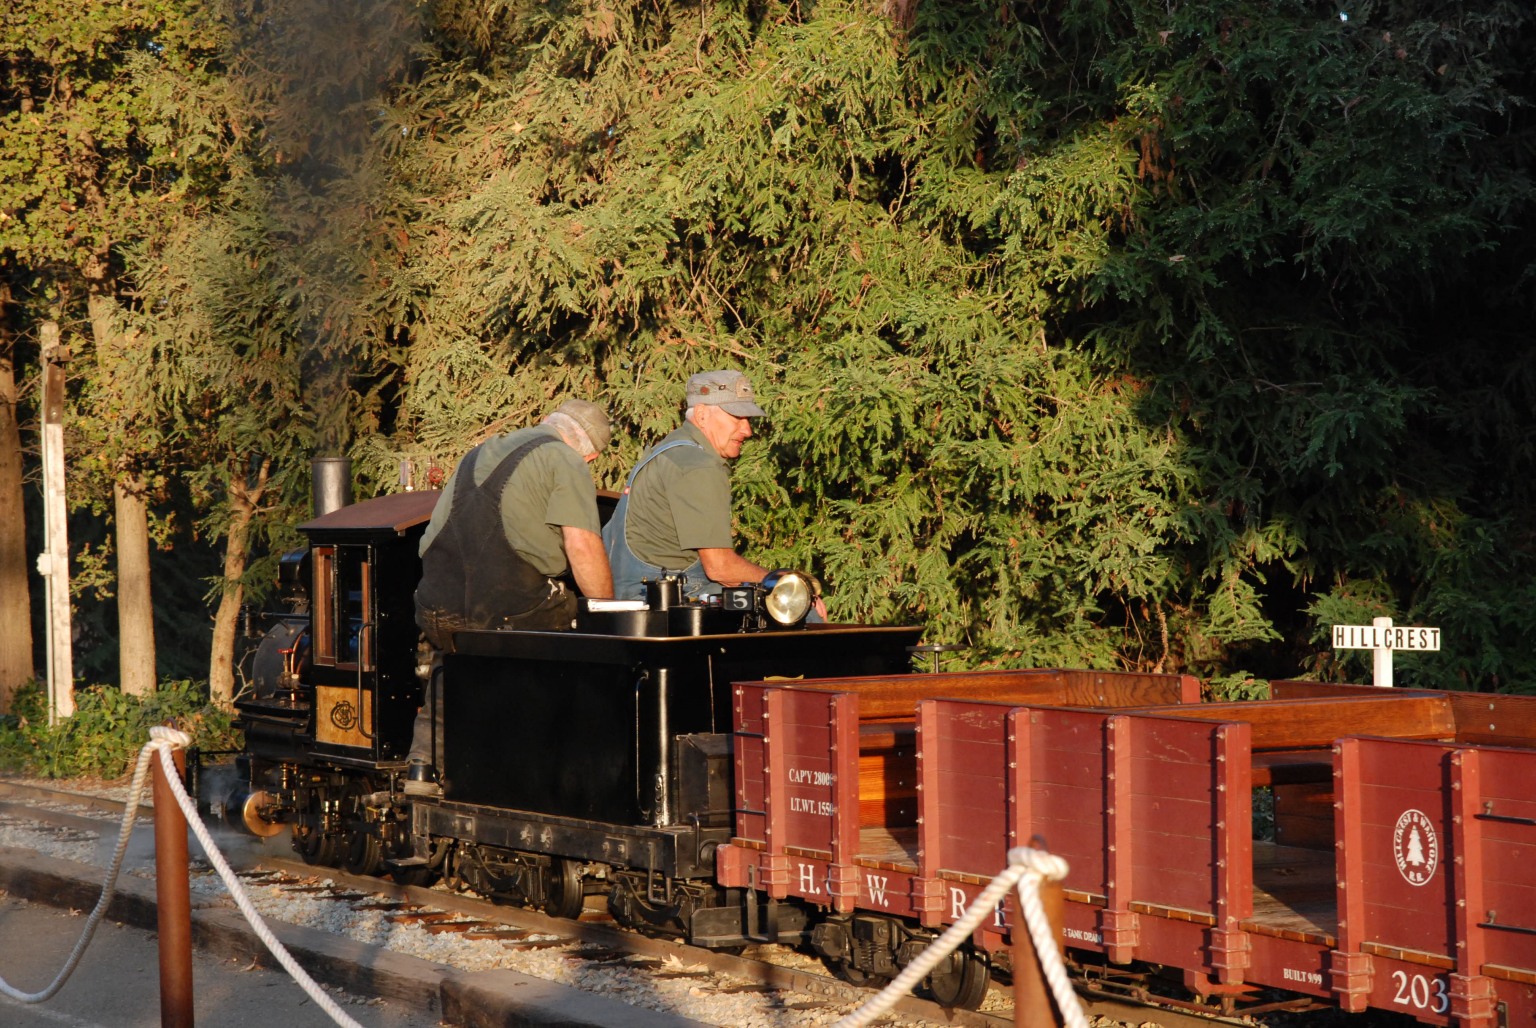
(344,716)
(1416,847)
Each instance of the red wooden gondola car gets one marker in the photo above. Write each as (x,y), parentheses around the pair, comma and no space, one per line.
(1396,876)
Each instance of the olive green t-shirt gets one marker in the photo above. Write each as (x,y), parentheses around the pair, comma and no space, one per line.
(680,503)
(550,489)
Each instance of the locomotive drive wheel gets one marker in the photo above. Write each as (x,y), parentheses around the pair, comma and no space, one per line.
(365,854)
(318,847)
(562,889)
(364,850)
(965,987)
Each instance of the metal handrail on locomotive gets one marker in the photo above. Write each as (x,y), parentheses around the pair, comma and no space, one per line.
(726,774)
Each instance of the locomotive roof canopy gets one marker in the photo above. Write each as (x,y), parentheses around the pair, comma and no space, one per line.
(396,511)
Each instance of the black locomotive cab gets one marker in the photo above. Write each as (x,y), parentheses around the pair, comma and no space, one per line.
(336,683)
(363,572)
(337,677)
(605,754)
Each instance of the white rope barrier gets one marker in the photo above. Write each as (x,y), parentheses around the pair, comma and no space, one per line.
(165,740)
(141,768)
(1026,869)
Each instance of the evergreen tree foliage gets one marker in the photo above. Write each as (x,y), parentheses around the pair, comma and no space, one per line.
(1094,333)
(1339,291)
(644,192)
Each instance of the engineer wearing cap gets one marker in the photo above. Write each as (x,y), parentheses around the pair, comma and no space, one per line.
(674,517)
(517,514)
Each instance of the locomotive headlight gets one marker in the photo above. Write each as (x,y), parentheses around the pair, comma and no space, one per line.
(790,595)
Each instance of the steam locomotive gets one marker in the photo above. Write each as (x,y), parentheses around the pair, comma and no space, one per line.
(727,774)
(591,761)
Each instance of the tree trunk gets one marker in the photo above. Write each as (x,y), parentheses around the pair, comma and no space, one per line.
(244,498)
(16,657)
(135,610)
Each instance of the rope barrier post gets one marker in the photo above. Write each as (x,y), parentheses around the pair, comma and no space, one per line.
(1032,999)
(173,894)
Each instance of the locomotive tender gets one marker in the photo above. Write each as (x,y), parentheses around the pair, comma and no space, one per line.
(726,780)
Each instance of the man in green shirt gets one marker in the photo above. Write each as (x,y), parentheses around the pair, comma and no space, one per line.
(518,513)
(674,517)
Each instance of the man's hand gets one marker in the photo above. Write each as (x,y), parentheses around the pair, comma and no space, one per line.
(728,567)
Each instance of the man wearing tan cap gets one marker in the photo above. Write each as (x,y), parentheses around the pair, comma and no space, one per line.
(674,517)
(517,514)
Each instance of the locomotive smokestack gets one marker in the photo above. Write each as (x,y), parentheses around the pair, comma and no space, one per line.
(330,483)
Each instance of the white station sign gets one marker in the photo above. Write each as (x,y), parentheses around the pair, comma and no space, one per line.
(1384,639)
(1379,637)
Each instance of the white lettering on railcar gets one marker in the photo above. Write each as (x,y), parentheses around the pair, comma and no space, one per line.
(807,776)
(1415,847)
(808,883)
(1420,992)
(876,888)
(1078,935)
(958,902)
(821,808)
(1291,974)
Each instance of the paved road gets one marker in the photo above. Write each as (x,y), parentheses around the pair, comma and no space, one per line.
(117,985)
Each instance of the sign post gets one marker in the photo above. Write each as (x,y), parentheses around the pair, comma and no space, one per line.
(1383,640)
(53,562)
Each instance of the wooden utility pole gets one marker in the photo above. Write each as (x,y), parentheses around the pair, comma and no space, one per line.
(54,561)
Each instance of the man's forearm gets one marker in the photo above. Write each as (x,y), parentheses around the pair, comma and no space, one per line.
(728,567)
(589,562)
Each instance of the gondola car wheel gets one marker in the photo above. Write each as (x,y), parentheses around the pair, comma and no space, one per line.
(317,846)
(964,987)
(562,889)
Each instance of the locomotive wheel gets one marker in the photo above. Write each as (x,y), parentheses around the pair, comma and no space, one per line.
(562,889)
(365,854)
(428,871)
(318,847)
(364,850)
(965,987)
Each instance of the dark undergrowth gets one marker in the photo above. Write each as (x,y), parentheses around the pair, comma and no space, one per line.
(108,729)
